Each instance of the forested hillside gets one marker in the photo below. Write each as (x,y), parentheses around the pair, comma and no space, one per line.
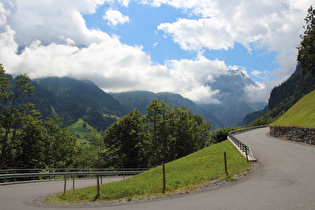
(284,96)
(301,114)
(140,100)
(288,93)
(73,99)
(30,140)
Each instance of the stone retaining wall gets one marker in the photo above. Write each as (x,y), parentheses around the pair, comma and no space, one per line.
(306,135)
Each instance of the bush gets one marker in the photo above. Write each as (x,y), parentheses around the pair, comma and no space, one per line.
(220,135)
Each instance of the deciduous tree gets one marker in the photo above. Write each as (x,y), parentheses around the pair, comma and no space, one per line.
(11,114)
(125,140)
(306,55)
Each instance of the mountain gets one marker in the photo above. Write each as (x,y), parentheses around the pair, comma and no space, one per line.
(284,96)
(74,99)
(301,114)
(234,106)
(141,99)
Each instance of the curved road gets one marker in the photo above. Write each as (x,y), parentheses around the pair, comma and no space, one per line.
(283,178)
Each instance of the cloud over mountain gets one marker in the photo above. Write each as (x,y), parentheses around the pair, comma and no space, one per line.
(51,38)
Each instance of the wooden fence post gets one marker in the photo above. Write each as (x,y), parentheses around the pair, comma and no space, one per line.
(65,185)
(164,185)
(73,181)
(98,184)
(226,172)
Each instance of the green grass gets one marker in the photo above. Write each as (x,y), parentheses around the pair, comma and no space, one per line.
(78,130)
(302,114)
(184,174)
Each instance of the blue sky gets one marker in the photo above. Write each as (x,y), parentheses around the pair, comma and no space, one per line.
(154,45)
(142,31)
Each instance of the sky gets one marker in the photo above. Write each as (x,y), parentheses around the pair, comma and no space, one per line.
(155,45)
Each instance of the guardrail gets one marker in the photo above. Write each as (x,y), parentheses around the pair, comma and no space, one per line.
(247,152)
(8,175)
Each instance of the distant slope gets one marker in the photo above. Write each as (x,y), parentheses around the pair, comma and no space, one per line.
(284,96)
(134,99)
(74,99)
(302,114)
(141,99)
(81,129)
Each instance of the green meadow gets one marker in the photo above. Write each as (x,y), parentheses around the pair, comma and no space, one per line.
(184,174)
(302,114)
(81,131)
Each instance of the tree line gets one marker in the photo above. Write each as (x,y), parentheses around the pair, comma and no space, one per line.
(161,135)
(27,140)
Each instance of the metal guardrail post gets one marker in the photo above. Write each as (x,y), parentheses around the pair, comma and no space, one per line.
(12,176)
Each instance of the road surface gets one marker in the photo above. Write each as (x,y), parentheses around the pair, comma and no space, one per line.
(283,178)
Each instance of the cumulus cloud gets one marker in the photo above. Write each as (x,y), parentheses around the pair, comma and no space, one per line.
(259,92)
(57,42)
(256,73)
(52,21)
(217,25)
(208,33)
(271,24)
(113,66)
(115,17)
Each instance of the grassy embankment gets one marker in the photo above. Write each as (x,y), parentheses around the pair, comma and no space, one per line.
(182,175)
(302,114)
(79,131)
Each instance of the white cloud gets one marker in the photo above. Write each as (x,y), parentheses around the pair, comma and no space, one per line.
(47,21)
(124,2)
(3,14)
(202,95)
(260,92)
(115,17)
(58,43)
(217,25)
(113,66)
(256,73)
(208,33)
(272,24)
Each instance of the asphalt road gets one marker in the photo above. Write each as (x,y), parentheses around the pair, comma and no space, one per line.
(22,196)
(283,178)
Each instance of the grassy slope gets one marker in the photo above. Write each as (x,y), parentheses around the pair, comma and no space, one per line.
(181,175)
(302,114)
(78,130)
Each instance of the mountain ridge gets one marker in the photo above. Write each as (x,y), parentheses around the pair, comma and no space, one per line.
(234,104)
(74,99)
(140,99)
(285,95)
